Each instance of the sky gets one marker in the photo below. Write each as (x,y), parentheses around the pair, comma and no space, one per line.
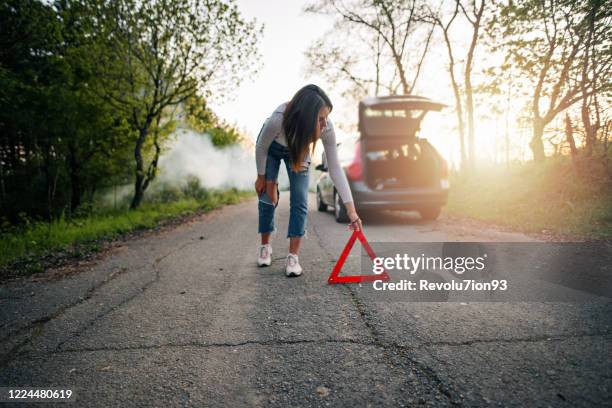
(288,32)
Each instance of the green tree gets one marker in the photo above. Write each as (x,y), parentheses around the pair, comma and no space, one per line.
(93,133)
(58,140)
(164,51)
(29,35)
(202,119)
(547,44)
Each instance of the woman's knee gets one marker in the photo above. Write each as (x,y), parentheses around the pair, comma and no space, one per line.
(299,202)
(299,190)
(266,211)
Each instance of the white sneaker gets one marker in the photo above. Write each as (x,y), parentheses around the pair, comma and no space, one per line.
(265,255)
(292,266)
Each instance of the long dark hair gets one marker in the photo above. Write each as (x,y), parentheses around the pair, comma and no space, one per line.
(300,120)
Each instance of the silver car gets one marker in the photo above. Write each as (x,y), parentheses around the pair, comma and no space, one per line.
(388,166)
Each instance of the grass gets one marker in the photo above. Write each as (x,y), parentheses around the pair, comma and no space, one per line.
(24,247)
(553,197)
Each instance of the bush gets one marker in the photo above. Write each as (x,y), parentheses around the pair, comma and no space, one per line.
(193,189)
(165,194)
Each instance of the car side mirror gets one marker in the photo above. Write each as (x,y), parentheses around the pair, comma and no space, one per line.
(320,167)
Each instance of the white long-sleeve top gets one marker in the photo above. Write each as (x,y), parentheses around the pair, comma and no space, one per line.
(272,130)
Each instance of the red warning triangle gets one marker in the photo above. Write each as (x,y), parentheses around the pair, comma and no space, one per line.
(334,278)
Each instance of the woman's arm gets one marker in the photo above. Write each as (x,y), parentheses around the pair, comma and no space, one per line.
(353,217)
(336,172)
(268,132)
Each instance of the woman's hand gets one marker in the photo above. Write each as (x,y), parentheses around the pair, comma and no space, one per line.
(260,184)
(355,222)
(353,217)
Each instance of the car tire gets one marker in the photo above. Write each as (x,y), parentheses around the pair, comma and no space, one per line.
(430,213)
(368,215)
(339,209)
(321,206)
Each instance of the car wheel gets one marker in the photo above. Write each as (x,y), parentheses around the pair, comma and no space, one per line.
(339,209)
(321,206)
(430,213)
(367,215)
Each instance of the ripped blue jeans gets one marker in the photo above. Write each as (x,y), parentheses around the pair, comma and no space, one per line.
(298,193)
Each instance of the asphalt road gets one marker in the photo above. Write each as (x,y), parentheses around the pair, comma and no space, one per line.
(185,318)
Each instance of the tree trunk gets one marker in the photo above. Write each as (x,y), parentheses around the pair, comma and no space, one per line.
(76,192)
(469,107)
(48,181)
(140,174)
(138,192)
(569,136)
(536,145)
(460,125)
(456,92)
(152,170)
(75,182)
(507,126)
(2,186)
(469,96)
(590,130)
(92,192)
(461,133)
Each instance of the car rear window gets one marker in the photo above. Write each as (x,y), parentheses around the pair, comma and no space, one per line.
(393,113)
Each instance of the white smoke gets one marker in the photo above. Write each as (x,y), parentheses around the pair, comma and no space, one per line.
(193,154)
(190,154)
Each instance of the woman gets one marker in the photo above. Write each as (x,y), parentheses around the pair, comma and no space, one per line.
(287,134)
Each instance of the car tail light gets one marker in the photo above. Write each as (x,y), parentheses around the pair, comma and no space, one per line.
(354,171)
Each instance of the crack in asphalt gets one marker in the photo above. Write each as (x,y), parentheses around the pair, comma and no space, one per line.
(429,373)
(210,345)
(516,340)
(273,342)
(392,352)
(14,352)
(141,291)
(37,326)
(88,294)
(387,348)
(408,352)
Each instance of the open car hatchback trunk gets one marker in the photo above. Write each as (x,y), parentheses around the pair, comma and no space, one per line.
(393,156)
(393,163)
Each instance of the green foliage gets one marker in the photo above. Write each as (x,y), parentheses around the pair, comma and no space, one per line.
(164,52)
(88,86)
(167,194)
(555,52)
(198,115)
(193,189)
(202,119)
(59,142)
(224,135)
